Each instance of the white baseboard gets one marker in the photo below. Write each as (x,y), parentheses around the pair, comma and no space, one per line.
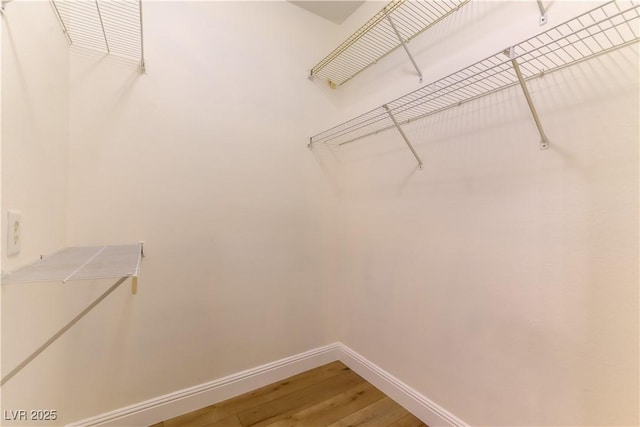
(173,404)
(428,411)
(183,401)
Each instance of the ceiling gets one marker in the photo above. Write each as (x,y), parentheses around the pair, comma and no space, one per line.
(333,10)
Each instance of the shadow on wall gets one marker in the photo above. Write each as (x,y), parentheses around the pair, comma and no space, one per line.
(112,106)
(19,72)
(456,142)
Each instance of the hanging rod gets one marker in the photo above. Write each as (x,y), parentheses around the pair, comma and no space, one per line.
(395,25)
(110,26)
(593,33)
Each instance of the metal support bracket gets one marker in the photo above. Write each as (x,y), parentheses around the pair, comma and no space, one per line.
(2,5)
(134,278)
(65,31)
(143,67)
(404,45)
(58,334)
(397,125)
(104,34)
(543,13)
(544,141)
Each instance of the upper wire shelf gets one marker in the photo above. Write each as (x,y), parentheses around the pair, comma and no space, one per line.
(397,23)
(108,26)
(593,33)
(81,263)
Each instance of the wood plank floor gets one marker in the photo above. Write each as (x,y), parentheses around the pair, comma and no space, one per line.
(331,395)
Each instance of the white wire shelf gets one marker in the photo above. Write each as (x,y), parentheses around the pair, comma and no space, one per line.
(108,26)
(396,24)
(596,32)
(81,263)
(78,263)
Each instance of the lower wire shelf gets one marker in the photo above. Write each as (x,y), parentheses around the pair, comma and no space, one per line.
(78,263)
(81,263)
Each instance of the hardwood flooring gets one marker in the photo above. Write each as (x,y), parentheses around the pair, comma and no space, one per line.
(331,395)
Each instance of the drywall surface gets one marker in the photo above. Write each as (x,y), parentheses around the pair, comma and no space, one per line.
(34,129)
(35,94)
(501,281)
(204,159)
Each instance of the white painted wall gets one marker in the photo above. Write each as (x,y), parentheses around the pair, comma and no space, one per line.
(35,97)
(203,158)
(501,281)
(34,128)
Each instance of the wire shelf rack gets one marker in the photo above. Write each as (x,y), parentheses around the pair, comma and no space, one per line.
(81,263)
(596,32)
(108,26)
(397,23)
(78,263)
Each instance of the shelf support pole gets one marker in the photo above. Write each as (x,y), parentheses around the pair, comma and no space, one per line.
(104,34)
(404,136)
(544,141)
(64,27)
(143,67)
(543,13)
(404,45)
(2,4)
(58,334)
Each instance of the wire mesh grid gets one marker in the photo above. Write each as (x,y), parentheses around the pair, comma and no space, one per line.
(598,31)
(377,38)
(81,263)
(109,26)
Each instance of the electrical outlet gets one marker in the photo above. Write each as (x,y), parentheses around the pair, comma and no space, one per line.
(15,233)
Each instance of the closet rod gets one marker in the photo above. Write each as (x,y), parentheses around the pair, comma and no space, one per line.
(64,329)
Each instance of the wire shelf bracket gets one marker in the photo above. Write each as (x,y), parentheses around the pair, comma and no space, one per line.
(404,136)
(544,141)
(599,31)
(404,45)
(79,263)
(543,13)
(395,25)
(3,3)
